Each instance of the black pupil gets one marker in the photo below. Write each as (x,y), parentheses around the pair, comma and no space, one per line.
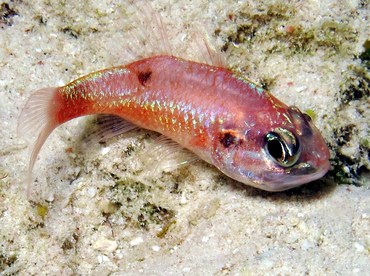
(275,149)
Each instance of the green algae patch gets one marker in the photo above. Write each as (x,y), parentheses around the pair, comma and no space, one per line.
(165,229)
(42,210)
(275,25)
(131,188)
(154,214)
(311,113)
(365,55)
(256,24)
(332,36)
(140,204)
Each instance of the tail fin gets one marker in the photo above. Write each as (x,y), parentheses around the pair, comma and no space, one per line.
(38,118)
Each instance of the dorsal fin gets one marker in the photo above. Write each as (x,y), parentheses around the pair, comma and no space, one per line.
(204,50)
(151,37)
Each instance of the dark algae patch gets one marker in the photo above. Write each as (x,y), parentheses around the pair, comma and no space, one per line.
(153,214)
(357,86)
(351,142)
(70,243)
(365,55)
(344,134)
(138,205)
(252,24)
(6,14)
(275,23)
(6,261)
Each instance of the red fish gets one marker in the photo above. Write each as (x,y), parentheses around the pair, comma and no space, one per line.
(224,119)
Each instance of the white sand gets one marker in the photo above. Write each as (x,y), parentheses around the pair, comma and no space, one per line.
(95,212)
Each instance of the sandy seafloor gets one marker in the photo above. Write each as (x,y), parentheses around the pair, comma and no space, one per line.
(96,210)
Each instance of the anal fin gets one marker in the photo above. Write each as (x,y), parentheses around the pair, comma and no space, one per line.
(107,127)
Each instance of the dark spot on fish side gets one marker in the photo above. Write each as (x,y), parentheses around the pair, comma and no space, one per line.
(227,139)
(144,77)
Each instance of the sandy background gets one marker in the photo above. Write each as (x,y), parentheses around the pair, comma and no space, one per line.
(95,210)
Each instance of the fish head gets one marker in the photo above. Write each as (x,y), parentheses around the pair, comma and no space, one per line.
(282,152)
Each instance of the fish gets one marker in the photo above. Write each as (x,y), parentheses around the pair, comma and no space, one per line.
(222,117)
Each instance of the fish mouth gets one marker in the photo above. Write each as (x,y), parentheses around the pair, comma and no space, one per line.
(301,173)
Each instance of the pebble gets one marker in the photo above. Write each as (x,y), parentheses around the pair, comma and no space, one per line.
(359,247)
(105,150)
(205,239)
(136,241)
(105,245)
(102,259)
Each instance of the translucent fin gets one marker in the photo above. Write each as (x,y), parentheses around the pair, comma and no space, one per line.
(150,37)
(107,127)
(205,52)
(37,119)
(165,155)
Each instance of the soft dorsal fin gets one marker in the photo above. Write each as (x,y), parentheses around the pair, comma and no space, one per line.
(205,51)
(151,37)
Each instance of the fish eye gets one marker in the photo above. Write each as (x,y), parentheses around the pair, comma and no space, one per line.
(283,146)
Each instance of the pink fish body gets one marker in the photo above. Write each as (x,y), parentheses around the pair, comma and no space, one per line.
(225,120)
